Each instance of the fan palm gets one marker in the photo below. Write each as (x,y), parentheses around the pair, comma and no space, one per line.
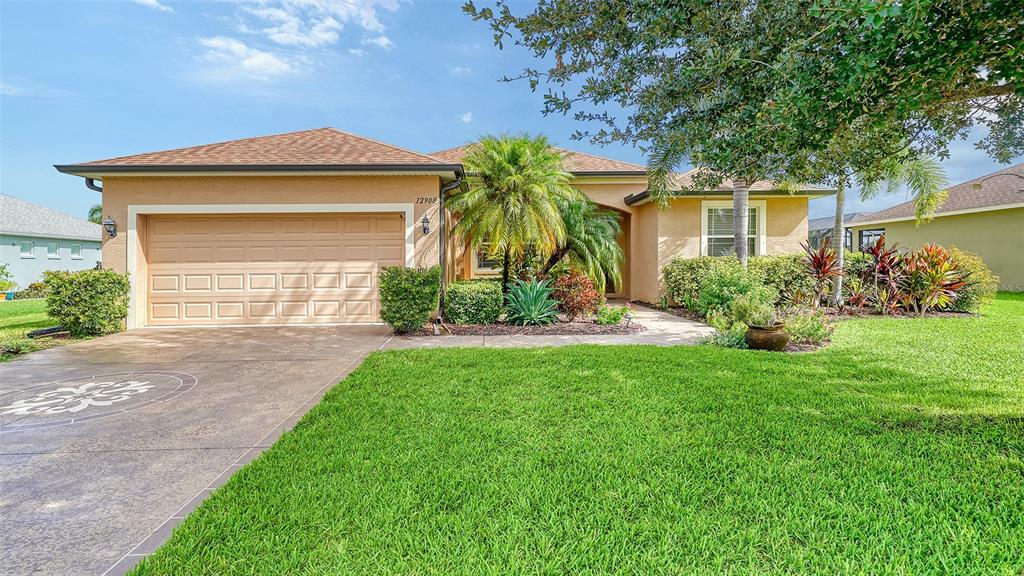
(96,213)
(515,184)
(591,242)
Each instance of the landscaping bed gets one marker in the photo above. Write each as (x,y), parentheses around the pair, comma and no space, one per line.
(575,327)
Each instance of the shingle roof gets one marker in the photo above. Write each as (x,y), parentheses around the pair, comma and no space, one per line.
(576,162)
(321,146)
(684,180)
(828,222)
(21,218)
(996,189)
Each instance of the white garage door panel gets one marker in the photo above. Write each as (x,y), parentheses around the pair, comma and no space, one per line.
(273,269)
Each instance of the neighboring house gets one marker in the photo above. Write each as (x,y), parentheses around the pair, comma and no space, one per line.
(820,228)
(984,216)
(34,239)
(293,228)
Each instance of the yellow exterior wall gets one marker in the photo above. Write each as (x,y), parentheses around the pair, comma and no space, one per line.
(675,233)
(120,192)
(654,236)
(997,236)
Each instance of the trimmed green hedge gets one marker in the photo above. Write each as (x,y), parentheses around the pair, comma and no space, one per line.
(473,302)
(408,296)
(787,274)
(88,302)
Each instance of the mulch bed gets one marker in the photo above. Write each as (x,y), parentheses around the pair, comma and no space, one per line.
(576,327)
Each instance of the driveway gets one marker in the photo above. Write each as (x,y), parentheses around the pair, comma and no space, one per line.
(106,444)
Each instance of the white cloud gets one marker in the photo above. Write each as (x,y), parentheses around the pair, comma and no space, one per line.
(459,70)
(382,41)
(236,60)
(357,52)
(11,90)
(28,89)
(314,23)
(465,118)
(154,4)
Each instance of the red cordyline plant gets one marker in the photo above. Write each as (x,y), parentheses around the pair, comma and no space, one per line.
(885,275)
(824,266)
(931,279)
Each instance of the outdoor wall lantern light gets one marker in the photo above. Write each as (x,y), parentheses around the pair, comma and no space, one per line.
(110,226)
(426,224)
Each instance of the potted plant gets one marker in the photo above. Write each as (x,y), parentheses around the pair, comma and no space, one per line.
(765,331)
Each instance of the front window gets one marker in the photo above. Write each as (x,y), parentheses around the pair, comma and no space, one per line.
(869,237)
(52,250)
(26,249)
(718,229)
(483,263)
(76,251)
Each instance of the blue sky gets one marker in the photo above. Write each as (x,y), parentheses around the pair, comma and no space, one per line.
(89,80)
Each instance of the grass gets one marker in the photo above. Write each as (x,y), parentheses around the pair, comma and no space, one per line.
(18,318)
(899,449)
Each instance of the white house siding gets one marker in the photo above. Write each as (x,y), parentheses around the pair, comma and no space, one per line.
(28,270)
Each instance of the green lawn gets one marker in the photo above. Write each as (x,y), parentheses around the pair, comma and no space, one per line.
(899,449)
(18,318)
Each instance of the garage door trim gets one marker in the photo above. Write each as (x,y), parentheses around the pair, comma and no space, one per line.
(136,316)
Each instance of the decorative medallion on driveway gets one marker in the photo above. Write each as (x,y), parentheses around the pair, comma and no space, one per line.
(83,399)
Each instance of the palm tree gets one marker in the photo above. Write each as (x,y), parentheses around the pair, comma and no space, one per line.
(923,177)
(96,213)
(591,242)
(515,184)
(665,156)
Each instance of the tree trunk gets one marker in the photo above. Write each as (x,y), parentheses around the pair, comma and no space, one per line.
(839,241)
(506,262)
(740,218)
(555,258)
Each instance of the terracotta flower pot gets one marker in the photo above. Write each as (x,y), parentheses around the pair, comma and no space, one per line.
(772,337)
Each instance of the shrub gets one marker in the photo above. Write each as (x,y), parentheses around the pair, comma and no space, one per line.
(473,302)
(722,287)
(752,309)
(684,277)
(88,302)
(34,290)
(981,282)
(6,283)
(931,279)
(576,294)
(408,296)
(734,337)
(530,303)
(785,273)
(611,315)
(808,328)
(856,265)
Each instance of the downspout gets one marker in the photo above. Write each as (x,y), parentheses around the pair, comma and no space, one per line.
(442,235)
(90,183)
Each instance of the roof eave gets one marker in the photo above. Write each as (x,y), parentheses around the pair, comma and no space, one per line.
(992,208)
(634,199)
(99,170)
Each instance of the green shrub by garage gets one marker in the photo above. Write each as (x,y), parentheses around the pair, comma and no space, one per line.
(88,302)
(473,302)
(408,296)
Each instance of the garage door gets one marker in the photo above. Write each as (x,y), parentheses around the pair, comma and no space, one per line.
(268,269)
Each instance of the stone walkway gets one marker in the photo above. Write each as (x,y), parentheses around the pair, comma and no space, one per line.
(663,329)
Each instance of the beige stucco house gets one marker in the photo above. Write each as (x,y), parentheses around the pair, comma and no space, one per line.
(984,216)
(292,228)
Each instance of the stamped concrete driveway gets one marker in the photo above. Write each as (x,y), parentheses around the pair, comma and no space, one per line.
(106,444)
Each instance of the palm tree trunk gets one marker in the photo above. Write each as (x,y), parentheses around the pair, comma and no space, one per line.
(740,218)
(506,263)
(839,241)
(555,258)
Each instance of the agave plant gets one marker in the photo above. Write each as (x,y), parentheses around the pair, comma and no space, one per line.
(530,303)
(824,267)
